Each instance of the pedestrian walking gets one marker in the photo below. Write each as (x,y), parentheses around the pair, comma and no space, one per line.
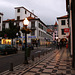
(67,48)
(58,45)
(67,45)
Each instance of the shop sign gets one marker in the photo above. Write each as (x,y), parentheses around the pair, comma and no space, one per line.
(31,36)
(66,30)
(28,37)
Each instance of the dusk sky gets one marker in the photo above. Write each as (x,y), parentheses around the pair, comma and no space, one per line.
(46,10)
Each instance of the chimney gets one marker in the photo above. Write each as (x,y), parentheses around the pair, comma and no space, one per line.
(33,11)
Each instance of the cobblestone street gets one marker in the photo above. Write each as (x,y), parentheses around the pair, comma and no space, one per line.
(56,62)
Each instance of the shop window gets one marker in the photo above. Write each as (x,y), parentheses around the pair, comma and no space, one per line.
(6,41)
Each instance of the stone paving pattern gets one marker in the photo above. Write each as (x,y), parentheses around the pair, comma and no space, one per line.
(57,62)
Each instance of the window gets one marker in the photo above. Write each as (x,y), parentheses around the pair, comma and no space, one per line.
(33,24)
(18,10)
(4,26)
(63,22)
(0,19)
(18,17)
(33,32)
(39,33)
(62,31)
(23,34)
(40,26)
(25,12)
(30,15)
(55,35)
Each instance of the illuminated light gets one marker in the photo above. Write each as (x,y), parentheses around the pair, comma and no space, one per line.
(56,37)
(25,22)
(6,41)
(17,41)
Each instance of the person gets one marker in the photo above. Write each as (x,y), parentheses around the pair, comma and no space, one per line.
(67,45)
(58,44)
(67,49)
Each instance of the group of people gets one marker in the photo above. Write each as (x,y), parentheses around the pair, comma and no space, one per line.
(60,45)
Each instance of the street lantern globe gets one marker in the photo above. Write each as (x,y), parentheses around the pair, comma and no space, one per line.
(25,22)
(16,34)
(56,37)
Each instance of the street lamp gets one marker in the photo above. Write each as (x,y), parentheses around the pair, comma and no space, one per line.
(57,41)
(26,31)
(17,40)
(56,38)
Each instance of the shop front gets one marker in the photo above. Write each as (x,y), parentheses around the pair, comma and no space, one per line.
(63,41)
(6,41)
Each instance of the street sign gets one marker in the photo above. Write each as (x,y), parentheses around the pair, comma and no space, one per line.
(31,36)
(66,30)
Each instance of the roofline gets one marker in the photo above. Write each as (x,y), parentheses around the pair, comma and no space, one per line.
(63,17)
(25,9)
(1,13)
(23,19)
(40,21)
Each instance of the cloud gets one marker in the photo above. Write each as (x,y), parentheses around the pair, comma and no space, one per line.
(46,10)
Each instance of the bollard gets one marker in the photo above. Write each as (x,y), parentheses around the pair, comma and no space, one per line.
(43,53)
(61,73)
(46,52)
(11,66)
(32,57)
(39,55)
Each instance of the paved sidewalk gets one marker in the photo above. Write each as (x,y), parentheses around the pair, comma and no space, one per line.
(57,62)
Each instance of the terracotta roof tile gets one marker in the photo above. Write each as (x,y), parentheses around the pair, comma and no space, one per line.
(62,17)
(56,23)
(10,19)
(30,18)
(49,30)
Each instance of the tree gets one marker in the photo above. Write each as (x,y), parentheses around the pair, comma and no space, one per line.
(11,31)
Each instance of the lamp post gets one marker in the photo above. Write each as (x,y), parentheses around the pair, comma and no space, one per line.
(56,38)
(17,40)
(56,42)
(25,23)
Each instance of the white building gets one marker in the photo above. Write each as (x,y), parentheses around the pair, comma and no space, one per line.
(55,31)
(62,24)
(39,29)
(69,10)
(1,19)
(22,12)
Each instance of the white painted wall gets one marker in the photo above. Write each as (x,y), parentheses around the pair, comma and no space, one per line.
(62,27)
(71,28)
(1,22)
(22,14)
